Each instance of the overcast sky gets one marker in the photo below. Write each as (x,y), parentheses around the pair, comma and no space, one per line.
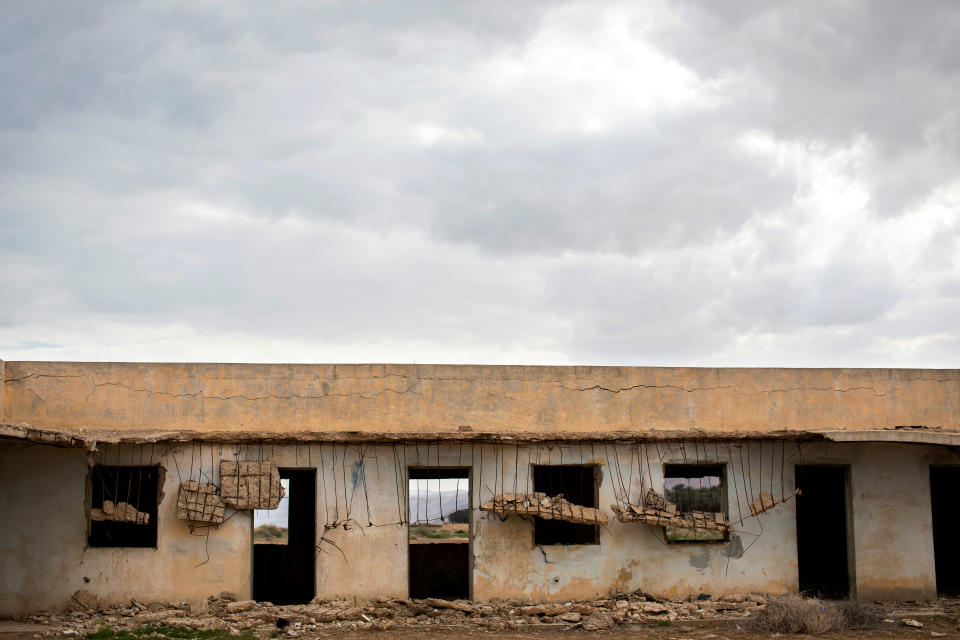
(685,183)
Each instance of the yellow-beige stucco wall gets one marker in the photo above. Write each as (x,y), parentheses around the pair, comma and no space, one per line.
(443,398)
(44,558)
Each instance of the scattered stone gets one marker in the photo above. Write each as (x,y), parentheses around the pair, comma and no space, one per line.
(597,621)
(199,608)
(458,605)
(655,607)
(83,600)
(548,609)
(228,595)
(570,616)
(909,622)
(937,634)
(353,613)
(243,605)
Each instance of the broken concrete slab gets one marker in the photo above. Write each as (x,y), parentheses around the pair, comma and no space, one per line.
(763,503)
(656,510)
(597,621)
(547,609)
(199,608)
(543,506)
(199,502)
(250,485)
(83,600)
(242,605)
(119,512)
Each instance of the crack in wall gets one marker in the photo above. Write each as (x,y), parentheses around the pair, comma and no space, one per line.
(420,379)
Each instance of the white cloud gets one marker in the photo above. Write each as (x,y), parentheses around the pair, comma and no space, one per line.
(606,183)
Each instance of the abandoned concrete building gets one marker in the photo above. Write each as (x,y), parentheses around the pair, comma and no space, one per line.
(169,482)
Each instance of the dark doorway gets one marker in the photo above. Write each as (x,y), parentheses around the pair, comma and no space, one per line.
(284,556)
(822,552)
(944,484)
(439,533)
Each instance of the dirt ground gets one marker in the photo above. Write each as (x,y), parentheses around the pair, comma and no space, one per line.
(935,626)
(624,616)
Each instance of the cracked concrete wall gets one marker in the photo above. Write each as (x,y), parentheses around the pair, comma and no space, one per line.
(440,399)
(890,508)
(362,499)
(44,556)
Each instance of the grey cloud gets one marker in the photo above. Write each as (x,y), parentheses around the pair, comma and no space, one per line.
(268,170)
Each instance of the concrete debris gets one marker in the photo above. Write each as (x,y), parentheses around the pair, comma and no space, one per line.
(543,506)
(597,621)
(250,485)
(908,622)
(199,502)
(315,618)
(656,510)
(199,608)
(83,600)
(222,612)
(763,503)
(243,605)
(120,512)
(766,501)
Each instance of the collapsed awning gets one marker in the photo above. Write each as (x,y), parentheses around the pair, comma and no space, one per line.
(543,506)
(656,510)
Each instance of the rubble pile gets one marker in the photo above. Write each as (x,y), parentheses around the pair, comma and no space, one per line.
(543,506)
(226,613)
(656,510)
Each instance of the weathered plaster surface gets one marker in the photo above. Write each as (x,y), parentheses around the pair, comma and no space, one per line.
(362,506)
(277,399)
(43,554)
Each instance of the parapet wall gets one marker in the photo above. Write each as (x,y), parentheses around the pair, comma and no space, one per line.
(277,399)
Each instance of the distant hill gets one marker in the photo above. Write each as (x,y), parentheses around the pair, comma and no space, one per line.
(427,506)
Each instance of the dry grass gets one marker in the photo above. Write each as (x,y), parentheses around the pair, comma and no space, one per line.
(795,614)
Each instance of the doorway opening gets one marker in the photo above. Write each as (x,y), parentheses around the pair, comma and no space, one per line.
(822,540)
(284,542)
(946,520)
(439,532)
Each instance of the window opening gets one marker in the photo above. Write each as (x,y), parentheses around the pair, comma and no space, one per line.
(695,488)
(577,484)
(123,506)
(272,526)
